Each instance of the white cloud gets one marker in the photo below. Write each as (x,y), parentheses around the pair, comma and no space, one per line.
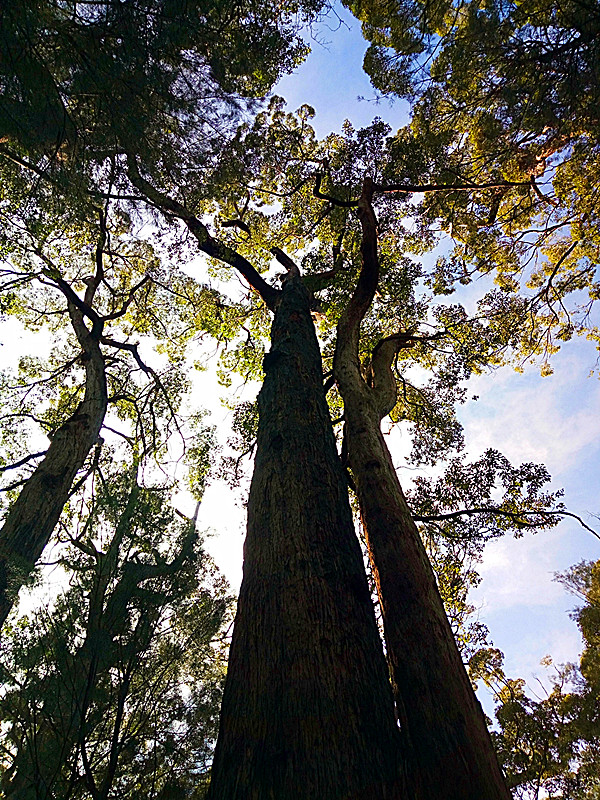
(517,572)
(528,418)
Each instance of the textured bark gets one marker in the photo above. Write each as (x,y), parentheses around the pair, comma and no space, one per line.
(33,516)
(307,710)
(447,745)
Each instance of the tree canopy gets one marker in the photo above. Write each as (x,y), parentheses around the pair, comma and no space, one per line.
(135,135)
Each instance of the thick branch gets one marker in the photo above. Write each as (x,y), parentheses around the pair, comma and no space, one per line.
(321,280)
(333,200)
(73,299)
(349,325)
(420,188)
(28,165)
(212,247)
(381,378)
(123,310)
(95,282)
(286,261)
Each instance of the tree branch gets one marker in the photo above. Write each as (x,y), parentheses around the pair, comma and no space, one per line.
(321,280)
(73,299)
(286,261)
(212,247)
(22,461)
(133,349)
(127,302)
(503,513)
(99,274)
(369,275)
(346,362)
(421,188)
(333,200)
(381,377)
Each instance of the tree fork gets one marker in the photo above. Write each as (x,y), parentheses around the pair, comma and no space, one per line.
(307,709)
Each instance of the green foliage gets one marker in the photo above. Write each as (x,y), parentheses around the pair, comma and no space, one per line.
(502,93)
(295,188)
(487,498)
(81,82)
(243,441)
(467,506)
(552,744)
(117,689)
(144,83)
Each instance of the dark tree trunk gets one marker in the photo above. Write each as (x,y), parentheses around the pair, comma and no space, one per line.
(448,747)
(33,516)
(307,710)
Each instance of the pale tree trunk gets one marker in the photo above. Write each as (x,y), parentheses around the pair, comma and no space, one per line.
(307,709)
(33,516)
(447,745)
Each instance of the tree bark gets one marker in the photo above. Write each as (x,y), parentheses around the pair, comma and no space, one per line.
(33,516)
(448,749)
(307,709)
(448,746)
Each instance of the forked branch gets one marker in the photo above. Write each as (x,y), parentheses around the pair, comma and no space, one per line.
(212,247)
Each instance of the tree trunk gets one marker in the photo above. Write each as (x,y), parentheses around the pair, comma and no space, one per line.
(307,710)
(448,747)
(33,516)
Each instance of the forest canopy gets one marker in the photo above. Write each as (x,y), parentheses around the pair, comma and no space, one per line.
(160,203)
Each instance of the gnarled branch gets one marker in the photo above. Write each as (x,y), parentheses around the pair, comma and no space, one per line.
(516,516)
(381,377)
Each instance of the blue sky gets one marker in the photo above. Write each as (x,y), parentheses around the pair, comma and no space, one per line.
(332,80)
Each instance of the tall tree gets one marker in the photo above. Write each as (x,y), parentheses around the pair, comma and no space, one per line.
(307,708)
(432,689)
(304,561)
(441,723)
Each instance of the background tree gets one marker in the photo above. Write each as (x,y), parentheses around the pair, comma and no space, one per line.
(94,368)
(549,744)
(115,691)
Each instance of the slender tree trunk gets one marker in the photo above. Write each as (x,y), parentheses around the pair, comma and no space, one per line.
(33,516)
(307,710)
(449,750)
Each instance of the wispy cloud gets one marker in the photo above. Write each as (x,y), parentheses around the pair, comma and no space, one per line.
(519,572)
(549,420)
